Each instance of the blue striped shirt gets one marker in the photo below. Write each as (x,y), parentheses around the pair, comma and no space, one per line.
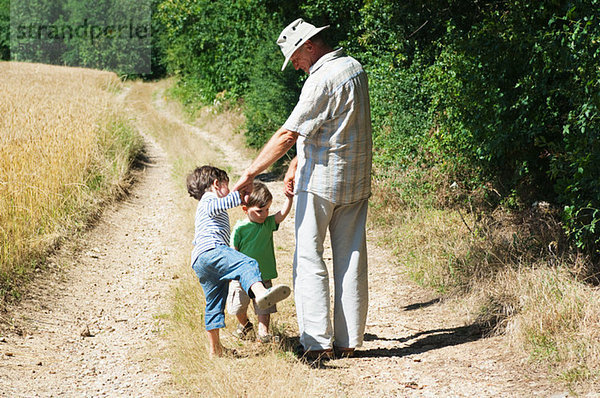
(212,221)
(333,119)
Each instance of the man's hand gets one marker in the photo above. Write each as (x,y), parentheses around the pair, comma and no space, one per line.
(244,185)
(290,178)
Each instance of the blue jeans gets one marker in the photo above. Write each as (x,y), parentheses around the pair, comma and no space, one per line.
(215,268)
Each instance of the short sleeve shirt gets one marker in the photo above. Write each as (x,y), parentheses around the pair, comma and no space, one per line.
(256,240)
(333,120)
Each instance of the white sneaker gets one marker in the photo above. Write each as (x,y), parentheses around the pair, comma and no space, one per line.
(272,296)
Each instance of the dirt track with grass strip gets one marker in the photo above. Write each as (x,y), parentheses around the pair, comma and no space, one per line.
(92,324)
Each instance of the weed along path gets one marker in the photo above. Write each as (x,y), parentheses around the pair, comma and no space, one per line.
(92,325)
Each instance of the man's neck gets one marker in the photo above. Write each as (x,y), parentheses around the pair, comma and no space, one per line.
(320,51)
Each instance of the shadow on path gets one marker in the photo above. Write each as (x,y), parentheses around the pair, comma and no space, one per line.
(423,341)
(418,306)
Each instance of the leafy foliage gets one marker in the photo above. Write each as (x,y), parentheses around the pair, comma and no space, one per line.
(496,94)
(125,52)
(271,96)
(524,106)
(212,44)
(4,29)
(101,34)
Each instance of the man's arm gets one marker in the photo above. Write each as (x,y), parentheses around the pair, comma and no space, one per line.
(274,149)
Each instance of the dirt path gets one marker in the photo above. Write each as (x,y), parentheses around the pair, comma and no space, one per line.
(91,326)
(88,326)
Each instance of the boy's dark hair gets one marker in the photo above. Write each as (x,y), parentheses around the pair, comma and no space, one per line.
(200,180)
(260,195)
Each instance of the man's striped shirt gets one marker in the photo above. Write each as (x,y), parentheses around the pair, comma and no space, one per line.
(333,119)
(212,221)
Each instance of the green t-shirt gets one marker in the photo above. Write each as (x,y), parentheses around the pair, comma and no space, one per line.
(256,241)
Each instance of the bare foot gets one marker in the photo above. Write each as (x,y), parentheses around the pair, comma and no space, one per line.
(216,351)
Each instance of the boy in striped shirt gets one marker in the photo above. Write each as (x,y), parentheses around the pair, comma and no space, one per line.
(213,261)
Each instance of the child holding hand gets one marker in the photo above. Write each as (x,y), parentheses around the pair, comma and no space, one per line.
(254,237)
(213,261)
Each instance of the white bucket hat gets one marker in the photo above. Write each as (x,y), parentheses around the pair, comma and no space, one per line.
(294,36)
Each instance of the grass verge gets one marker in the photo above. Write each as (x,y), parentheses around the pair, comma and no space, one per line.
(513,271)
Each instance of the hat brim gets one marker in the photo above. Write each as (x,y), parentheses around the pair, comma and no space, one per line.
(304,40)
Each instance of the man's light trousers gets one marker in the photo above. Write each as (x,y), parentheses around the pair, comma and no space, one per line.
(346,224)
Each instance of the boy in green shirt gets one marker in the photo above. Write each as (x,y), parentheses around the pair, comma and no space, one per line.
(254,238)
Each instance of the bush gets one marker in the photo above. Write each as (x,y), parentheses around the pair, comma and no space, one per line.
(500,95)
(211,45)
(525,113)
(505,91)
(101,34)
(4,30)
(271,95)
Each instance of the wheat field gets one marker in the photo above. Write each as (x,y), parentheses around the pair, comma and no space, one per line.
(64,148)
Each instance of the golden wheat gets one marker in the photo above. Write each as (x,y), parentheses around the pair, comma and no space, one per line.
(55,129)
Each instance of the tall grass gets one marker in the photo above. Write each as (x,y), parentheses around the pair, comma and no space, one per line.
(512,272)
(557,320)
(65,147)
(429,244)
(251,370)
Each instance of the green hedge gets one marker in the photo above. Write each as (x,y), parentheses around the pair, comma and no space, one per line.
(4,30)
(518,96)
(123,44)
(211,45)
(494,93)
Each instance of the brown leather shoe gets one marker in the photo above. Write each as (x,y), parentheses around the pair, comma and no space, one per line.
(343,352)
(318,355)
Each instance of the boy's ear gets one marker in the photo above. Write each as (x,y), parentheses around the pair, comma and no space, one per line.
(245,208)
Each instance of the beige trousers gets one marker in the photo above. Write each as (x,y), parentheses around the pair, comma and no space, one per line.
(346,225)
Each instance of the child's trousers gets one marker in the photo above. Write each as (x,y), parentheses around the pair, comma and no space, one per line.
(215,268)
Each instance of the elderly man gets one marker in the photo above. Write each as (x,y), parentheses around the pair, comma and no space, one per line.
(331,176)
